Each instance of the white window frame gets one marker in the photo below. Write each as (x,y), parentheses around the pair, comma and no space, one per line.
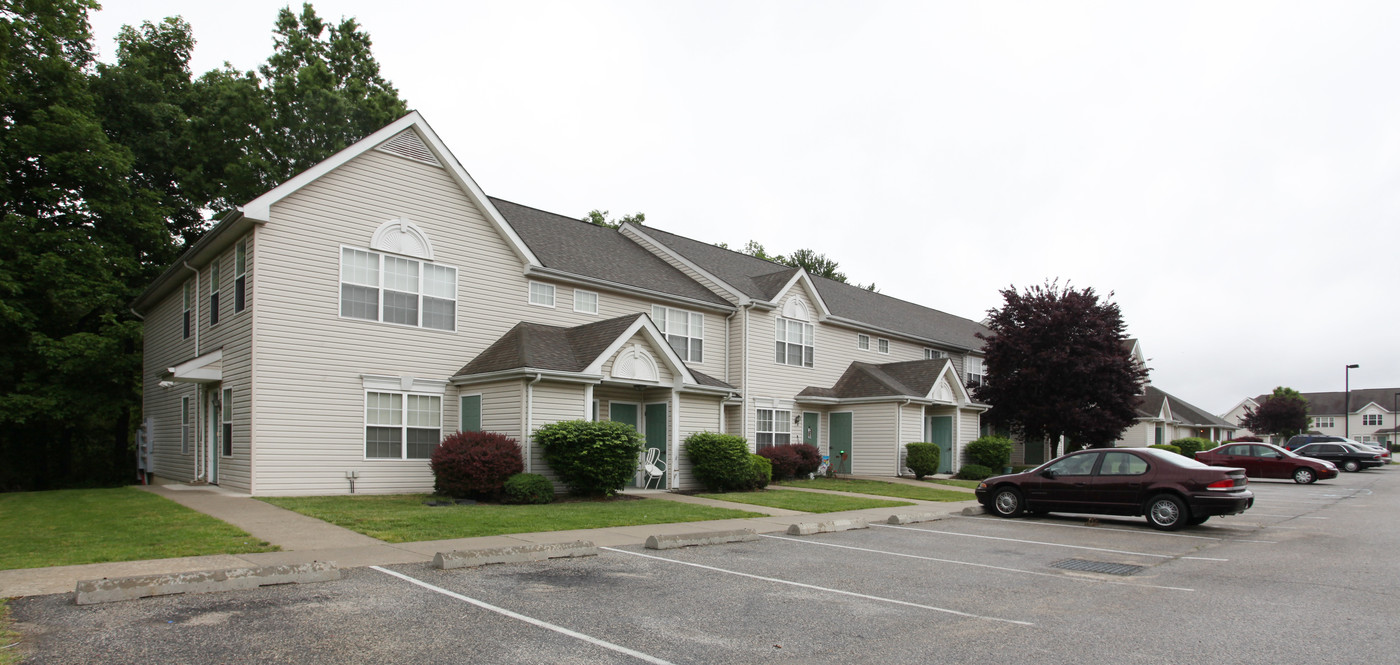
(863,342)
(975,378)
(1367,417)
(581,292)
(807,332)
(185,425)
(779,426)
(543,286)
(1318,421)
(403,425)
(186,324)
(380,288)
(883,345)
(214,292)
(695,322)
(226,423)
(240,276)
(932,354)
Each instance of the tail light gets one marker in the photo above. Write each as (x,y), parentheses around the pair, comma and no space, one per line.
(1220,485)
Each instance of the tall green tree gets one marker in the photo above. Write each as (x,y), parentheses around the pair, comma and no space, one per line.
(807,259)
(601,218)
(1056,366)
(1283,414)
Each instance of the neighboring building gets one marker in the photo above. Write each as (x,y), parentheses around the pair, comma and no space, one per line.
(1372,416)
(1163,417)
(340,324)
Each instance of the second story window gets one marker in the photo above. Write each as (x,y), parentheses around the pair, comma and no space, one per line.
(1371,419)
(541,294)
(240,275)
(214,292)
(1323,421)
(684,330)
(975,372)
(884,345)
(189,298)
(795,345)
(379,287)
(932,354)
(863,342)
(585,301)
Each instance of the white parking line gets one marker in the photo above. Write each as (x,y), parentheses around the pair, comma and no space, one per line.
(976,565)
(1038,542)
(821,588)
(1300,517)
(542,624)
(998,520)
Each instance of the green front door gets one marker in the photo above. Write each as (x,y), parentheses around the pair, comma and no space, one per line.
(626,413)
(811,428)
(840,434)
(656,430)
(940,431)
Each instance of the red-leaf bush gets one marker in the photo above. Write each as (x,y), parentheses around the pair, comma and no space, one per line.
(810,459)
(475,465)
(784,460)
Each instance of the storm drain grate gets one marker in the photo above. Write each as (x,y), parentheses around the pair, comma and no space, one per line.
(1088,566)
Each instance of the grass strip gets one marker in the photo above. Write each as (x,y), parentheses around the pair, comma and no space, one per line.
(69,527)
(807,502)
(880,488)
(954,482)
(402,518)
(9,639)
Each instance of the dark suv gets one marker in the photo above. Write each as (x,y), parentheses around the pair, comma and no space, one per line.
(1344,455)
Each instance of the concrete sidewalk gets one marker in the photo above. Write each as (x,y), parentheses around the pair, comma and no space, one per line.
(304,539)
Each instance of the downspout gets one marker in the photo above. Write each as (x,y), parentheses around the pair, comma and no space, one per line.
(530,420)
(744,378)
(198,431)
(899,433)
(726,344)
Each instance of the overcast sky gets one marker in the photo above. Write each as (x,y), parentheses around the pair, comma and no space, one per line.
(1227,170)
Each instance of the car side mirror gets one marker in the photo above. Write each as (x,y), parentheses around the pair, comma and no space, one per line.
(1048,474)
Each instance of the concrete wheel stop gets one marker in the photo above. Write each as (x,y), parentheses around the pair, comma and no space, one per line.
(513,554)
(106,590)
(672,541)
(810,528)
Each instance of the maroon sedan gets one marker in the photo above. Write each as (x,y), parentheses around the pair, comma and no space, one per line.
(1262,460)
(1170,489)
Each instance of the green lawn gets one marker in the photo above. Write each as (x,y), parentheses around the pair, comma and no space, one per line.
(807,502)
(970,484)
(67,527)
(880,488)
(402,518)
(8,638)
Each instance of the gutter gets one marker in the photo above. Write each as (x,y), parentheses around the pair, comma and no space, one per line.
(530,420)
(573,278)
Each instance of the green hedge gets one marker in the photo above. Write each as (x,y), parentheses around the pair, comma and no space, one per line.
(721,461)
(762,472)
(528,488)
(975,472)
(1167,447)
(594,458)
(923,458)
(1191,445)
(993,452)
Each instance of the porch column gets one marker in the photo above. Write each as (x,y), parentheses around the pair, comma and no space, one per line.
(674,455)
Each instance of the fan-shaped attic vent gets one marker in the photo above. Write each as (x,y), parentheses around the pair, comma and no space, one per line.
(406,144)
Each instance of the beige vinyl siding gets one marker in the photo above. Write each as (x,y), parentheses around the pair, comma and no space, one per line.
(873,438)
(835,350)
(553,402)
(911,424)
(1141,434)
(500,406)
(699,413)
(233,334)
(969,424)
(164,348)
(734,418)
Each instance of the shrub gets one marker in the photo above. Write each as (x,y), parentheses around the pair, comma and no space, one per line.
(922,459)
(810,459)
(1020,468)
(1167,447)
(1193,444)
(761,470)
(474,464)
(784,460)
(594,458)
(1244,439)
(528,488)
(720,461)
(975,472)
(993,452)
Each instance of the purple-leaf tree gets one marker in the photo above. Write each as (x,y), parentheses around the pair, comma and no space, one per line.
(1057,365)
(1284,413)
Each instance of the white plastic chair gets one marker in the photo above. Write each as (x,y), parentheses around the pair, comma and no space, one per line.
(653,467)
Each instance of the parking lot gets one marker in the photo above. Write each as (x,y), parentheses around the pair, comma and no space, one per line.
(1305,576)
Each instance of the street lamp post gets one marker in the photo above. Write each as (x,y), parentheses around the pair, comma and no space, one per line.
(1346,411)
(1395,421)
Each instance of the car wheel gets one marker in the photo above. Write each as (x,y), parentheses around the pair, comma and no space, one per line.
(1351,466)
(1195,521)
(1303,476)
(1007,502)
(1166,512)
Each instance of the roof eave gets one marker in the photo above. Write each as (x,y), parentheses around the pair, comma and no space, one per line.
(233,225)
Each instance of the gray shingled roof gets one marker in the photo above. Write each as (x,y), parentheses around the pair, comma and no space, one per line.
(761,280)
(1334,403)
(538,346)
(581,248)
(914,378)
(1184,411)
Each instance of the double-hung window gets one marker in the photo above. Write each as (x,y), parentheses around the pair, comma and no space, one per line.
(1323,421)
(863,342)
(932,354)
(541,294)
(974,370)
(402,425)
(1370,419)
(226,420)
(189,299)
(214,292)
(794,343)
(585,301)
(774,428)
(684,330)
(185,431)
(392,289)
(884,345)
(240,275)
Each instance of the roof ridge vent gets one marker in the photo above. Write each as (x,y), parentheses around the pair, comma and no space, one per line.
(408,145)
